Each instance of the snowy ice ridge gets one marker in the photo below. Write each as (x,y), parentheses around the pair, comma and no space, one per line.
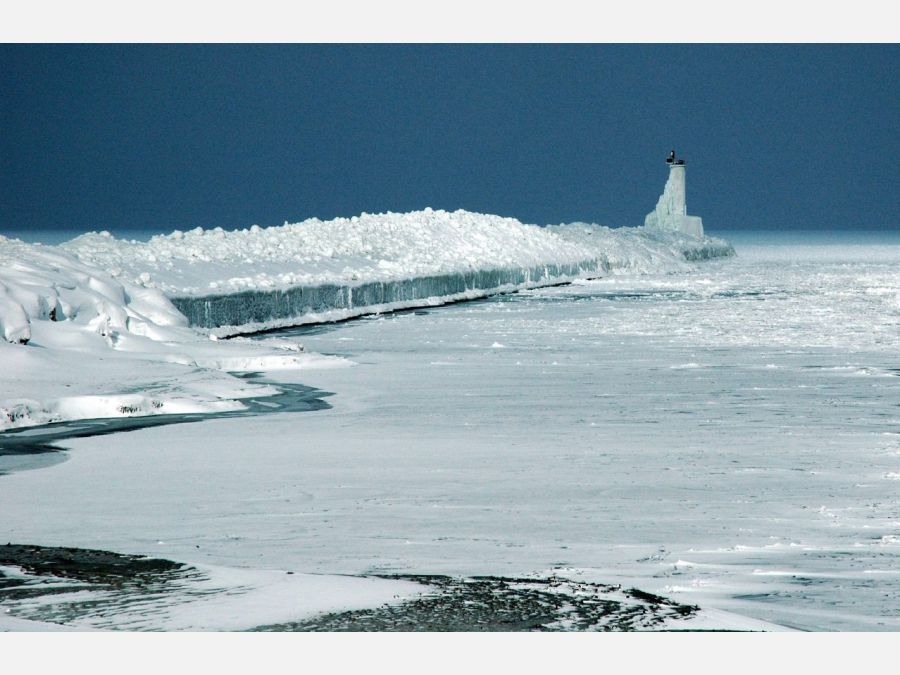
(255,279)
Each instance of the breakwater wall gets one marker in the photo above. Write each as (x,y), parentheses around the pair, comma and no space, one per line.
(255,310)
(258,310)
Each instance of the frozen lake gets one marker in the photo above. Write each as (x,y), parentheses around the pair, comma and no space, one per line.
(727,437)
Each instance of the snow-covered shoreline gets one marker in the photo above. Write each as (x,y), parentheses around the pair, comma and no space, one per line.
(69,588)
(79,344)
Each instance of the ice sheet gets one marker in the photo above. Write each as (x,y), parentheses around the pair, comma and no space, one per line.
(726,436)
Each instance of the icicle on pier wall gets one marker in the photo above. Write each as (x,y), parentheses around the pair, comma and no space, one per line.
(256,310)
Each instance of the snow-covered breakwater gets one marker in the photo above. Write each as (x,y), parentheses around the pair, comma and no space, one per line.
(255,310)
(258,278)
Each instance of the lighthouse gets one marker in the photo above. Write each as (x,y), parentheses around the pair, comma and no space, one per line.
(671,209)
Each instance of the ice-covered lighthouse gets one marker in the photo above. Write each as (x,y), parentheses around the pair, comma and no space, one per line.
(671,209)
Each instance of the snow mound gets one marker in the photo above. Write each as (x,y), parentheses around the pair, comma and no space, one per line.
(78,344)
(362,248)
(40,284)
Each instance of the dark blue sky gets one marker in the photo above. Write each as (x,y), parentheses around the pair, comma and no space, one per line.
(165,137)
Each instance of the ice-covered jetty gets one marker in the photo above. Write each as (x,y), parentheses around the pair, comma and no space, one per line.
(313,271)
(232,282)
(671,209)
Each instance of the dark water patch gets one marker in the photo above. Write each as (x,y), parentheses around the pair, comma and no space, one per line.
(87,565)
(102,584)
(28,456)
(505,604)
(33,447)
(125,592)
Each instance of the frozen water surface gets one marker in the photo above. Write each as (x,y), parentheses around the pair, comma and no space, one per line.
(727,437)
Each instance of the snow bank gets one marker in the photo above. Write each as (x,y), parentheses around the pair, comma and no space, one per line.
(370,247)
(247,280)
(643,249)
(40,284)
(79,344)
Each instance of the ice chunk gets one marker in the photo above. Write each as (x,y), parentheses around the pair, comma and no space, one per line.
(14,323)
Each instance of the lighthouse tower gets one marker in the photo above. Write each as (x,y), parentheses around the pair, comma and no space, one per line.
(671,209)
